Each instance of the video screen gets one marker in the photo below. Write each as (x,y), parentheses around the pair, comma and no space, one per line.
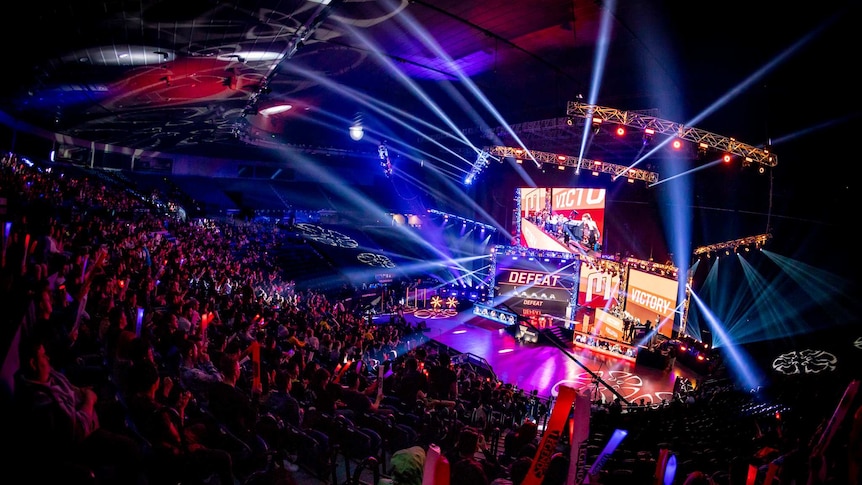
(599,284)
(652,298)
(534,286)
(568,219)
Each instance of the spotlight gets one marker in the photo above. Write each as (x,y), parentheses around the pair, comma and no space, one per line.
(677,144)
(761,169)
(597,125)
(726,158)
(621,131)
(356,130)
(648,134)
(570,121)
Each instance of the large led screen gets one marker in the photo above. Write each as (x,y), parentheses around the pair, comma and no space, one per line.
(652,298)
(534,286)
(599,284)
(567,219)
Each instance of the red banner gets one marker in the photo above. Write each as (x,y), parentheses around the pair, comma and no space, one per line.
(579,435)
(551,436)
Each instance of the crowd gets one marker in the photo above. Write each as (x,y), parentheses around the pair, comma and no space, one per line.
(149,349)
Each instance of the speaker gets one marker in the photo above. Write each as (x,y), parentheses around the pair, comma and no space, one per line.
(706,337)
(649,358)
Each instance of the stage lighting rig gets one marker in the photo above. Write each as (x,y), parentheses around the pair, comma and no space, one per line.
(757,242)
(479,165)
(749,153)
(573,161)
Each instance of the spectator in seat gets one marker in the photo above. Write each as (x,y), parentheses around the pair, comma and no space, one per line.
(359,401)
(179,449)
(55,428)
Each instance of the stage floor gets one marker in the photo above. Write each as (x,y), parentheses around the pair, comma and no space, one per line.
(544,367)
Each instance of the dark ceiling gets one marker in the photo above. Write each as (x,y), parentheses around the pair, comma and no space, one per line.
(188,76)
(193,77)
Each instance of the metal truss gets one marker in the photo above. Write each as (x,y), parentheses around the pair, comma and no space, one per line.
(479,165)
(570,161)
(750,154)
(757,241)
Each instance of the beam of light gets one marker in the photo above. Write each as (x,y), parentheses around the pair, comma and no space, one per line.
(409,83)
(687,172)
(360,201)
(744,369)
(599,61)
(745,84)
(775,315)
(388,111)
(734,300)
(474,206)
(812,129)
(432,45)
(825,288)
(397,116)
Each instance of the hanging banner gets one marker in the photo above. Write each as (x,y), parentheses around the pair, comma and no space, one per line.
(579,434)
(551,436)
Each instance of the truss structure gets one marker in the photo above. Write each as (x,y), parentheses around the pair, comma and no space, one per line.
(750,154)
(757,241)
(570,161)
(479,165)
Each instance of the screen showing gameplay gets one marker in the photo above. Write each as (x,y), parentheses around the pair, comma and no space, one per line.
(534,286)
(568,219)
(652,298)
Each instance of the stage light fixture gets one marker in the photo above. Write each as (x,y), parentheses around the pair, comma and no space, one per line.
(621,131)
(648,134)
(726,158)
(561,167)
(677,144)
(570,121)
(356,129)
(631,181)
(597,125)
(595,174)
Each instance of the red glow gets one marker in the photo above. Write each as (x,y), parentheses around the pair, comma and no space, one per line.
(621,131)
(677,144)
(726,158)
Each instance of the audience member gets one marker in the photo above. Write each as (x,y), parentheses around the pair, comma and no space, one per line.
(55,422)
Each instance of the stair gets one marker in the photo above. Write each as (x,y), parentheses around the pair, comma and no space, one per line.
(557,335)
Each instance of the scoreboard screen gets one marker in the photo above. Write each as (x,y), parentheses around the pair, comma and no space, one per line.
(533,286)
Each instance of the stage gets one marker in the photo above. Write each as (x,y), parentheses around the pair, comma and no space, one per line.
(544,367)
